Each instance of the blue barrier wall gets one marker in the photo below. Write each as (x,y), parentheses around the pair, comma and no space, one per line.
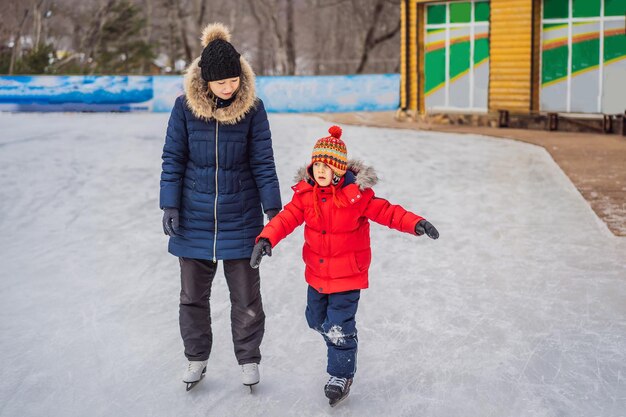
(157,93)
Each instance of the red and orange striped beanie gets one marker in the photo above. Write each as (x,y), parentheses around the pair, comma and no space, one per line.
(332,151)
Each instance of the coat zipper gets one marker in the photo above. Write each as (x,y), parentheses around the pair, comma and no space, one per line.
(217,166)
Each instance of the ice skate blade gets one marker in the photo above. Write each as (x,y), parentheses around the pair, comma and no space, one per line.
(250,385)
(334,403)
(190,385)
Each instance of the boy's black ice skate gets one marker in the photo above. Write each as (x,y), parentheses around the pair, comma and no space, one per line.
(336,389)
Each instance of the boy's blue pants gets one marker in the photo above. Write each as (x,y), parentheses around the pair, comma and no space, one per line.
(333,315)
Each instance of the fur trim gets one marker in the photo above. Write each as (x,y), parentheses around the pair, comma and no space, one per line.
(214,31)
(201,105)
(301,174)
(366,176)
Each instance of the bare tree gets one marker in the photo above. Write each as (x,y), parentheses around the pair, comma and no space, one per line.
(181,14)
(18,34)
(147,8)
(279,54)
(284,54)
(372,40)
(202,8)
(283,36)
(172,51)
(189,17)
(290,43)
(37,22)
(344,35)
(260,55)
(95,34)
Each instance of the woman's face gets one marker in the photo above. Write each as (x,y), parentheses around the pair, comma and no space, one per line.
(224,89)
(322,173)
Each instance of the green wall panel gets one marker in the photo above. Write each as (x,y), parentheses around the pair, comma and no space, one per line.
(585,55)
(614,7)
(547,26)
(481,11)
(436,14)
(481,50)
(460,12)
(459,58)
(435,74)
(586,8)
(614,47)
(554,64)
(555,9)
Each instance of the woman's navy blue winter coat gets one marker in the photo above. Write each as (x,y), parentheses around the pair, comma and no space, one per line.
(218,170)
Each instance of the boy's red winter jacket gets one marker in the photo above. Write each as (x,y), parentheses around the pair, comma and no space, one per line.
(337,250)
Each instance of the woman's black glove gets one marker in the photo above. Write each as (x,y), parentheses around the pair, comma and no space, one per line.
(170,221)
(263,247)
(271,213)
(424,226)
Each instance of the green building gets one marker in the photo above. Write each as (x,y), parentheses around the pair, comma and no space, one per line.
(524,56)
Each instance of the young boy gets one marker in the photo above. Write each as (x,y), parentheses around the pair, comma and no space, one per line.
(335,200)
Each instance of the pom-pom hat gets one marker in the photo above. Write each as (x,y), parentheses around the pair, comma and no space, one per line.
(219,60)
(332,151)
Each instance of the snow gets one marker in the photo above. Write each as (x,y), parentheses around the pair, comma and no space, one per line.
(336,336)
(519,309)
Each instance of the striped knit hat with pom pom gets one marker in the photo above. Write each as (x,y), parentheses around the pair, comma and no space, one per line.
(332,151)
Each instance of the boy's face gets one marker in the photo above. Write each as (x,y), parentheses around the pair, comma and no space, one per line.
(224,89)
(322,173)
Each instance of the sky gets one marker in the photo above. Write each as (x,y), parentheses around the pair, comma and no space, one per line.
(518,309)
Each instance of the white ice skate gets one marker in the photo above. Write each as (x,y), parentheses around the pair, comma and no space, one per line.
(250,374)
(194,373)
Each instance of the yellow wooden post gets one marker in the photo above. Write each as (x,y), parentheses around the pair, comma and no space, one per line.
(403,55)
(511,56)
(413,55)
(536,59)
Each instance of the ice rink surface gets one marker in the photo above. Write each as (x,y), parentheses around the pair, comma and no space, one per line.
(519,309)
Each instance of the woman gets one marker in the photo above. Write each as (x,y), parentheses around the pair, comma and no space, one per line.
(218,174)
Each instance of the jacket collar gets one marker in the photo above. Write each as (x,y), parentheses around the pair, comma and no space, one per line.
(363,176)
(221,103)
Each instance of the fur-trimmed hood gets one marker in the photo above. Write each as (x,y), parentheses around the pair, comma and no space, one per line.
(364,175)
(197,90)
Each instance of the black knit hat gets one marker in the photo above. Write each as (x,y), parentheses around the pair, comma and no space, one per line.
(220,60)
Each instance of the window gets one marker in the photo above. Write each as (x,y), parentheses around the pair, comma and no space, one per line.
(456,57)
(583,56)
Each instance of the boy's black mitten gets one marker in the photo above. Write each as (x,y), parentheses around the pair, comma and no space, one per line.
(170,221)
(263,247)
(424,226)
(271,213)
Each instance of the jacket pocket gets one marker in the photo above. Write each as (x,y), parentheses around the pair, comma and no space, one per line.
(363,259)
(343,266)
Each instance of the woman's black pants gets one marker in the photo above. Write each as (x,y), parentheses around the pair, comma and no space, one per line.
(246,314)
